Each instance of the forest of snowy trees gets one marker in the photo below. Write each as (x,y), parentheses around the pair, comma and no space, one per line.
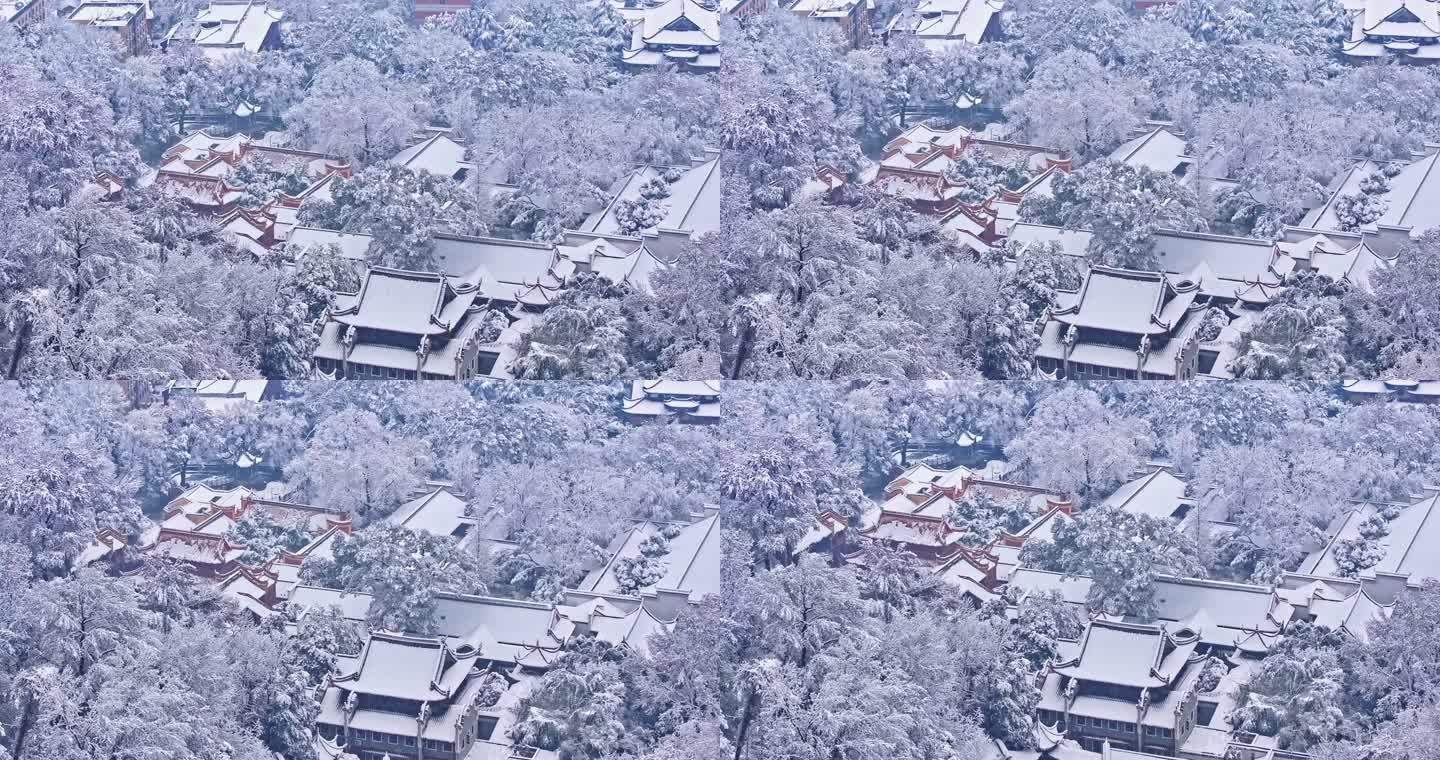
(864,651)
(856,283)
(719,379)
(146,287)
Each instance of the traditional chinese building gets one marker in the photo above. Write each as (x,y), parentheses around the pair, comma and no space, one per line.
(915,515)
(518,278)
(1406,30)
(919,168)
(23,12)
(230,27)
(195,529)
(690,560)
(742,8)
(451,694)
(685,401)
(426,8)
(406,325)
(1124,324)
(1409,200)
(938,24)
(201,169)
(1395,389)
(1402,560)
(1130,685)
(1136,685)
(682,32)
(692,205)
(221,395)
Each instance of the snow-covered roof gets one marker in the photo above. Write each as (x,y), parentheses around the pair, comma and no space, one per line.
(1128,301)
(11,10)
(423,669)
(693,205)
(221,395)
(1158,149)
(1337,255)
(1394,388)
(228,27)
(109,13)
(439,513)
(922,479)
(1224,614)
(692,561)
(662,399)
(1231,263)
(401,301)
(1404,29)
(1334,603)
(825,8)
(201,500)
(352,245)
(1129,654)
(1412,201)
(941,23)
(1409,548)
(438,154)
(680,22)
(681,31)
(508,630)
(1159,494)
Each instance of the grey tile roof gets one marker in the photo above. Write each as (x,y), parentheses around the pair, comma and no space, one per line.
(1128,301)
(413,303)
(1129,654)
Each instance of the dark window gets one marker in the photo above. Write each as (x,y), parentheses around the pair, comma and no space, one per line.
(1207,361)
(486,727)
(1205,712)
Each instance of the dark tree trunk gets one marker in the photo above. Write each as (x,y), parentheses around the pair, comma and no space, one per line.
(744,728)
(22,342)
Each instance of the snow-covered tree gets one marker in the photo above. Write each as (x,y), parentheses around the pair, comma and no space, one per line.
(583,334)
(1355,210)
(1121,552)
(1400,320)
(1041,619)
(1353,555)
(260,182)
(402,570)
(264,537)
(1296,694)
(1123,206)
(1282,493)
(1304,334)
(635,215)
(1074,443)
(381,116)
(321,636)
(169,590)
(1396,669)
(353,463)
(402,210)
(981,518)
(1073,103)
(577,708)
(634,574)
